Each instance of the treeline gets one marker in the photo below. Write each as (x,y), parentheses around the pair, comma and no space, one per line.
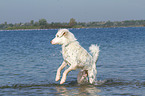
(43,24)
(126,23)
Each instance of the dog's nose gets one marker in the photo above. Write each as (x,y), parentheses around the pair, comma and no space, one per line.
(51,42)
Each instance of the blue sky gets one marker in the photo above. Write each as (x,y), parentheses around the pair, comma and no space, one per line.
(15,11)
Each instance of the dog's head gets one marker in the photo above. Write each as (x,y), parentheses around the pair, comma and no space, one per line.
(63,36)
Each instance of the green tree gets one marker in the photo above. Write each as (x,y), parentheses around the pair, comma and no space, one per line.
(72,22)
(36,24)
(43,23)
(32,22)
(5,23)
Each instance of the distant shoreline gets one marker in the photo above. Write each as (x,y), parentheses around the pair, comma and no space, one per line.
(68,28)
(43,24)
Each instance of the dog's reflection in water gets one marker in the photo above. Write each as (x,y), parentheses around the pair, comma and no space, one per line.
(77,90)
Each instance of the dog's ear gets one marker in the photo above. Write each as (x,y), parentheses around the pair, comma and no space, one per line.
(65,33)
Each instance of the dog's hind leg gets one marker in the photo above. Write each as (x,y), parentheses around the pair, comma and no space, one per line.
(59,70)
(92,75)
(82,77)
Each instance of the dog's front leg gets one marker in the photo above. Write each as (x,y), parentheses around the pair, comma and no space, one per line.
(59,70)
(65,74)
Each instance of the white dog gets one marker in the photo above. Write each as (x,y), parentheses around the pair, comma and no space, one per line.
(75,56)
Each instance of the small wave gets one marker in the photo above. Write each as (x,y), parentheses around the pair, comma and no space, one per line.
(118,82)
(100,83)
(14,86)
(28,29)
(27,85)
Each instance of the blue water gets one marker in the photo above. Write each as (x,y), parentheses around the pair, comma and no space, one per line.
(28,63)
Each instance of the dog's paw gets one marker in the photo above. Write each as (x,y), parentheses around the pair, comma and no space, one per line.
(57,78)
(62,81)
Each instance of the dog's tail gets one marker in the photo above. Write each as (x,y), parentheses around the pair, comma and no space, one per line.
(95,52)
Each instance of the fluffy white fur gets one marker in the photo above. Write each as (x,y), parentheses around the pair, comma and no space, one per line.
(75,56)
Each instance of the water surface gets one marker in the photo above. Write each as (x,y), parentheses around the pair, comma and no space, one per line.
(28,63)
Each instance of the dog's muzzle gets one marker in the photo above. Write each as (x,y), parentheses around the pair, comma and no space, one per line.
(51,42)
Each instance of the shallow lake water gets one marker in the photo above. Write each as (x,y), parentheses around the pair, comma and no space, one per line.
(28,63)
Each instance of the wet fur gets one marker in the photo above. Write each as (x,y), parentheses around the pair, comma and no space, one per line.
(75,56)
